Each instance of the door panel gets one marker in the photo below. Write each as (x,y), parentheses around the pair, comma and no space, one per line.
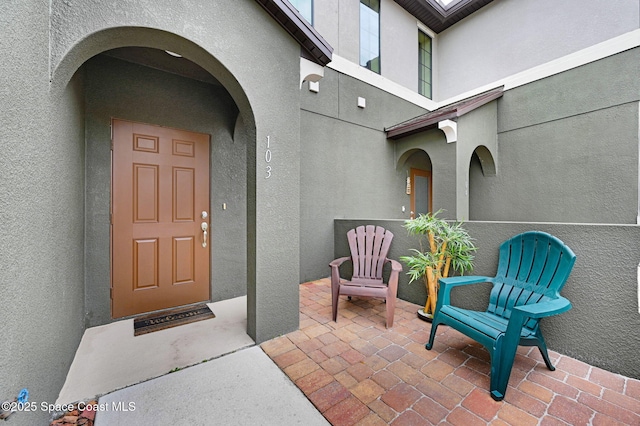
(160,187)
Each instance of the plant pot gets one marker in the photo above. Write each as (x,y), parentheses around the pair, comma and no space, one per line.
(424,316)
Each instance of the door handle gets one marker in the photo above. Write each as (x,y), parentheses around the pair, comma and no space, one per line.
(204,226)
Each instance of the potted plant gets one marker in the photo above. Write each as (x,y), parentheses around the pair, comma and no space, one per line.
(444,248)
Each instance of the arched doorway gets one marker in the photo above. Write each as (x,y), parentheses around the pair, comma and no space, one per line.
(417,165)
(156,87)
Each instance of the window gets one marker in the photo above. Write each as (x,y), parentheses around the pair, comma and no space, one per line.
(370,34)
(305,7)
(424,64)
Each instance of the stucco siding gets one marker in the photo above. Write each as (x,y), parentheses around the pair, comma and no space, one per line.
(339,23)
(568,148)
(509,36)
(348,167)
(41,213)
(399,45)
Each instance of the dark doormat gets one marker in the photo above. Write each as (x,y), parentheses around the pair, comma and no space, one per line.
(171,318)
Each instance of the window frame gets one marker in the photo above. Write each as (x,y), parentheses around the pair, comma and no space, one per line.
(434,50)
(423,66)
(379,62)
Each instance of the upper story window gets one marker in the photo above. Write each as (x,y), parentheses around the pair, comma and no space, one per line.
(370,34)
(425,48)
(305,7)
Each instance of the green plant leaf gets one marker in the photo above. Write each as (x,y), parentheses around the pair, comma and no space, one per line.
(459,245)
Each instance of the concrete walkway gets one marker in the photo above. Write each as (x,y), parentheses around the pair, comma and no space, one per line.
(219,376)
(243,388)
(110,357)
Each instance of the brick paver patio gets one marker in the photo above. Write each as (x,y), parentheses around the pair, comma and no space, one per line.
(356,372)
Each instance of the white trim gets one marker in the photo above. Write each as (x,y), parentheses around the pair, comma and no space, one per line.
(450,129)
(434,58)
(422,27)
(354,70)
(310,71)
(590,54)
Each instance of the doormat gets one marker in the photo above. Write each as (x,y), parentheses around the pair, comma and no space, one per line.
(171,318)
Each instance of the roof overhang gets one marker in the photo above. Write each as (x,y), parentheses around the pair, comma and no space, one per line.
(314,47)
(452,111)
(438,17)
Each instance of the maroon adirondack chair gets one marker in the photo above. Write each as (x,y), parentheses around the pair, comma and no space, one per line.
(369,247)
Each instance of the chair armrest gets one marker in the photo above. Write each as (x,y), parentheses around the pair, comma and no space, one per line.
(521,314)
(396,268)
(465,280)
(335,271)
(339,261)
(544,309)
(446,284)
(395,265)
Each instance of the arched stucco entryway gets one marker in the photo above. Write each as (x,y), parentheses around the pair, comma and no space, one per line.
(416,164)
(268,207)
(429,151)
(147,85)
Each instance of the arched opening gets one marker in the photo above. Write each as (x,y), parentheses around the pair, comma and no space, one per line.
(126,74)
(130,74)
(416,164)
(485,158)
(481,166)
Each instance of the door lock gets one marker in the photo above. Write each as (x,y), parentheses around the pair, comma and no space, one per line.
(204,226)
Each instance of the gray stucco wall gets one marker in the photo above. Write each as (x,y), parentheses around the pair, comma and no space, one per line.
(567,148)
(479,128)
(348,167)
(509,36)
(41,213)
(119,89)
(602,328)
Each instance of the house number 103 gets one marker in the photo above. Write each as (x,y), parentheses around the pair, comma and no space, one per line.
(267,157)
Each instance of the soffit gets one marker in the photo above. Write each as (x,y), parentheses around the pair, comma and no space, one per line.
(438,17)
(314,47)
(452,111)
(160,60)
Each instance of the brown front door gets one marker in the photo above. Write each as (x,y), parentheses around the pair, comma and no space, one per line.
(160,190)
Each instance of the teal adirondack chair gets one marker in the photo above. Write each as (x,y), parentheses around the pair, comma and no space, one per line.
(532,269)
